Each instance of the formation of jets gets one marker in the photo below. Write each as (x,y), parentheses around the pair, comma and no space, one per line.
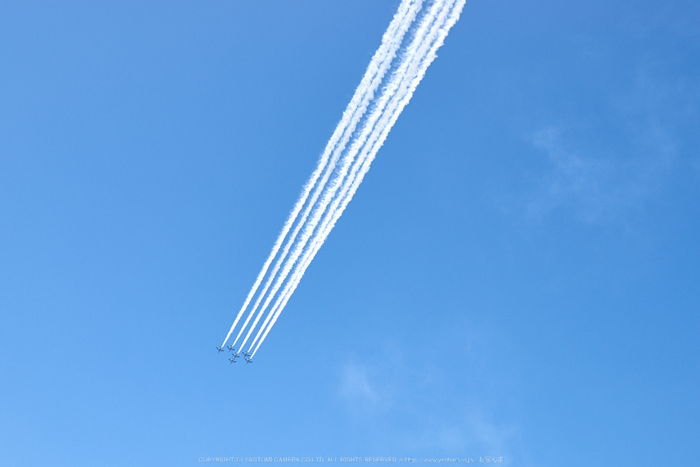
(246,355)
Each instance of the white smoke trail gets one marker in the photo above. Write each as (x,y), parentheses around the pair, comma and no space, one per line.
(417,45)
(380,63)
(395,44)
(336,183)
(440,30)
(325,228)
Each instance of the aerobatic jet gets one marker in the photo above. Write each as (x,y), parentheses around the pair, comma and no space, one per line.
(246,354)
(220,349)
(248,360)
(231,349)
(233,359)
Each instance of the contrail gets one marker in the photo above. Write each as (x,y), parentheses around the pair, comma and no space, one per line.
(417,45)
(425,54)
(395,44)
(380,63)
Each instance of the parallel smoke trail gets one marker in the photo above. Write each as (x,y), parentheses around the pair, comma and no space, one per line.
(448,18)
(289,290)
(380,63)
(384,67)
(413,52)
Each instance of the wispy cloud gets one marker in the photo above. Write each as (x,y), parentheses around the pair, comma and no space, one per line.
(593,186)
(355,384)
(420,407)
(473,432)
(601,169)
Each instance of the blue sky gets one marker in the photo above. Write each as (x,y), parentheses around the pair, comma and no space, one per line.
(517,276)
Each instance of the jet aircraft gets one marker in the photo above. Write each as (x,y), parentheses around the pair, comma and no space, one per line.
(231,349)
(233,359)
(220,349)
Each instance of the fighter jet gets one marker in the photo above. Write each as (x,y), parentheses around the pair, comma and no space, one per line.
(220,349)
(248,360)
(246,354)
(233,359)
(231,349)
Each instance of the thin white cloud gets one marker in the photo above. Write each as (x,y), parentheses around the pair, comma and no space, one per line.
(355,384)
(575,180)
(474,433)
(600,171)
(414,406)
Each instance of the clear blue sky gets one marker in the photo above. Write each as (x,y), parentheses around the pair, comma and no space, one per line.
(518,275)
